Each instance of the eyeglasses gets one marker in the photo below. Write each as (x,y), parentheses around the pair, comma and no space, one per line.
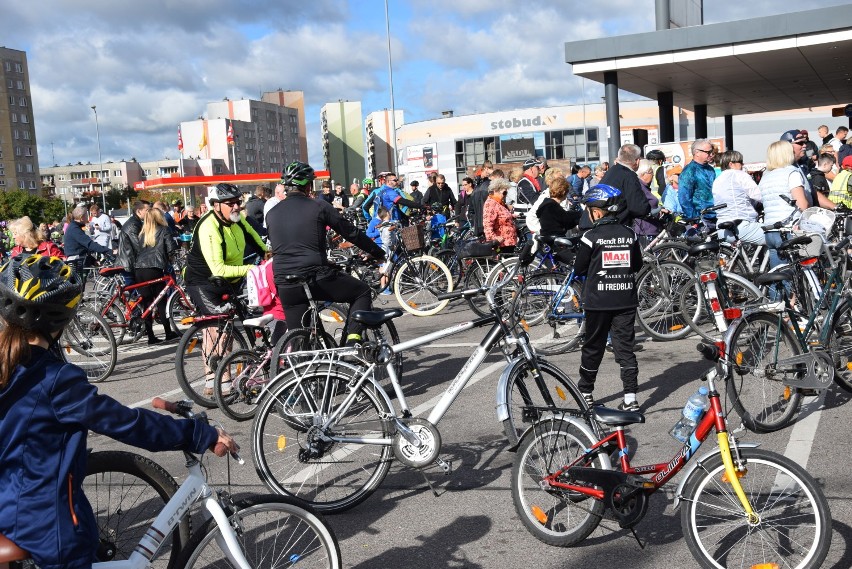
(799,142)
(232,204)
(736,161)
(709,152)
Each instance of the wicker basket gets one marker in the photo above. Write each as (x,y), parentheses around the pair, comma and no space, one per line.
(413,238)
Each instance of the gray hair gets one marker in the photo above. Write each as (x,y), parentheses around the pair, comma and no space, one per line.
(78,213)
(629,154)
(699,142)
(499,185)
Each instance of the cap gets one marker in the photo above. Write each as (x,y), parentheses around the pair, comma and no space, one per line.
(795,136)
(847,162)
(530,162)
(414,183)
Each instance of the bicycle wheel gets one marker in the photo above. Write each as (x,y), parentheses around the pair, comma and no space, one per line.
(756,386)
(200,351)
(177,309)
(87,341)
(272,531)
(297,340)
(127,492)
(248,372)
(841,346)
(533,300)
(117,323)
(658,286)
(523,390)
(699,315)
(451,259)
(418,282)
(671,251)
(553,516)
(795,522)
(294,456)
(565,324)
(475,277)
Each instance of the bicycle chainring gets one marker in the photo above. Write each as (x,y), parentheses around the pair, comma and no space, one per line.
(417,456)
(628,503)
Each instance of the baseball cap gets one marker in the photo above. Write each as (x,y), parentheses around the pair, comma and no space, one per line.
(847,162)
(795,136)
(530,162)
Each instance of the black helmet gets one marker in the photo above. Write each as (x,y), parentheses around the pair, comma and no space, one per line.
(297,174)
(656,155)
(177,203)
(38,293)
(224,192)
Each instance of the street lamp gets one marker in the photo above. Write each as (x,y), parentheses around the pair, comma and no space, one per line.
(100,159)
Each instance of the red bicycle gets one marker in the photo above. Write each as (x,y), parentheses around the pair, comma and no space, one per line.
(126,315)
(742,506)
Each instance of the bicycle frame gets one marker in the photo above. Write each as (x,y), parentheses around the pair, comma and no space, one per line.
(130,305)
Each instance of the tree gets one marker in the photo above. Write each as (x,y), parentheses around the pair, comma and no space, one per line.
(17,203)
(121,196)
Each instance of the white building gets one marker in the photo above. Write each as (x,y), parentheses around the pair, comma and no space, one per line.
(379,128)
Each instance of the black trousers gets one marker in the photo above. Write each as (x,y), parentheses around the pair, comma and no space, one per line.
(150,292)
(619,326)
(336,287)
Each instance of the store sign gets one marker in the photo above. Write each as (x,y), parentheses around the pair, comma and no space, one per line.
(517,149)
(515,122)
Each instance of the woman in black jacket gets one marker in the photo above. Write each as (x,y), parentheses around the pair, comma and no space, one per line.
(155,247)
(555,219)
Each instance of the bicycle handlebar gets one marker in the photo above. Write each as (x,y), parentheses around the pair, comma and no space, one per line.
(184,409)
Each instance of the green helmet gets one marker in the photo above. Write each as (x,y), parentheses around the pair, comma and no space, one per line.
(366,181)
(297,174)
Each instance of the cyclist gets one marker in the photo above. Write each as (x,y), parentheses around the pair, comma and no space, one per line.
(297,232)
(47,407)
(390,198)
(78,245)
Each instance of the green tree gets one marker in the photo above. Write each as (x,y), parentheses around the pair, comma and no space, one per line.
(19,203)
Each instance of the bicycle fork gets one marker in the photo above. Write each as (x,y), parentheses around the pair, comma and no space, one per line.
(734,477)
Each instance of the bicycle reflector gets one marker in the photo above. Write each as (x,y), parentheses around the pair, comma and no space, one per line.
(707,277)
(282,443)
(187,320)
(732,313)
(766,566)
(539,514)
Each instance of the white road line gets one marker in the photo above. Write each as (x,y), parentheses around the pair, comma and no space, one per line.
(804,430)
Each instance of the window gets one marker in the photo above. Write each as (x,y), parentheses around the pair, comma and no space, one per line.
(24,119)
(20,167)
(22,101)
(26,135)
(14,117)
(29,168)
(11,84)
(17,136)
(19,68)
(576,145)
(20,84)
(12,100)
(117,173)
(8,66)
(32,184)
(22,185)
(147,172)
(61,177)
(29,150)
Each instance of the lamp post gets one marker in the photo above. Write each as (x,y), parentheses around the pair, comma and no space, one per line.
(100,159)
(395,166)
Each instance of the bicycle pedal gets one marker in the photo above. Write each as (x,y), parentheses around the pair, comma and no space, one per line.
(447,467)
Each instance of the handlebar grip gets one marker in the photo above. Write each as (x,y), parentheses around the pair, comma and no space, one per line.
(159,403)
(709,351)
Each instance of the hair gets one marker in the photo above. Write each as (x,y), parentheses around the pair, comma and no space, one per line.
(515,174)
(497,173)
(160,206)
(139,206)
(841,129)
(585,168)
(645,165)
(31,236)
(826,149)
(825,126)
(78,213)
(779,154)
(432,177)
(442,177)
(94,207)
(629,153)
(153,219)
(326,184)
(729,156)
(826,160)
(469,180)
(558,188)
(498,185)
(487,164)
(552,174)
(604,165)
(15,346)
(261,192)
(382,212)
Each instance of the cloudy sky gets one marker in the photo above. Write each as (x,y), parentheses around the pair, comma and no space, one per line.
(150,64)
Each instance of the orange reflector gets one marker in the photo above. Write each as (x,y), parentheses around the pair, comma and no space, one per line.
(849,366)
(787,392)
(739,358)
(539,514)
(282,442)
(239,368)
(433,266)
(676,327)
(732,313)
(191,346)
(336,316)
(412,304)
(68,348)
(187,320)
(525,326)
(766,566)
(740,474)
(560,392)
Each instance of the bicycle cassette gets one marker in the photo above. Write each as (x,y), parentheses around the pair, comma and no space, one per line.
(416,443)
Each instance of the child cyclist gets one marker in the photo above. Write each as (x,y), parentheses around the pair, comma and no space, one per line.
(385,238)
(47,408)
(609,257)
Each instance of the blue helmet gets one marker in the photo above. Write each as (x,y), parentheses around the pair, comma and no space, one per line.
(603,196)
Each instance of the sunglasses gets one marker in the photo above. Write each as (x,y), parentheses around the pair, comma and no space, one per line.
(232,204)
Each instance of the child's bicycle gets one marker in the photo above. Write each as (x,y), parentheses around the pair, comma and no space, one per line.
(742,506)
(260,531)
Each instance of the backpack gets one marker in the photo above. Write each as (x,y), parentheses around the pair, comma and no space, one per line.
(258,291)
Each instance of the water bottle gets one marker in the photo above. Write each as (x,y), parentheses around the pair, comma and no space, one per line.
(692,412)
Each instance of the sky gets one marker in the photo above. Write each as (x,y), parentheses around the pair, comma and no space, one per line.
(148,65)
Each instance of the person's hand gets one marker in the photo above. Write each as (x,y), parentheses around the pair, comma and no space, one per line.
(224,444)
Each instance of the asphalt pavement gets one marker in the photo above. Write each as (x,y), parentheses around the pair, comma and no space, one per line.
(472,522)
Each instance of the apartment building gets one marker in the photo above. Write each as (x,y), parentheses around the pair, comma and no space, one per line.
(380,150)
(343,140)
(18,149)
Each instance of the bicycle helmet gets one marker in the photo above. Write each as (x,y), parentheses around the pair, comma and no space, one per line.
(38,293)
(603,196)
(656,155)
(222,192)
(297,174)
(366,181)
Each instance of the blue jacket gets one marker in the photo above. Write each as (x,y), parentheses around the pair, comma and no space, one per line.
(46,411)
(373,231)
(78,243)
(386,197)
(695,189)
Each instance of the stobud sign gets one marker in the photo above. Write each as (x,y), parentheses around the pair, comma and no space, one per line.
(515,122)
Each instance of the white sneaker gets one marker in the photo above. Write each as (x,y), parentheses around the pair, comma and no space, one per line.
(776,306)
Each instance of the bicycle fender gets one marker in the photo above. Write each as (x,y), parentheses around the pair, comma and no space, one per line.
(579,423)
(503,382)
(692,468)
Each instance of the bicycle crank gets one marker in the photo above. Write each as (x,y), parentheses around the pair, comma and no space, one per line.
(814,370)
(416,442)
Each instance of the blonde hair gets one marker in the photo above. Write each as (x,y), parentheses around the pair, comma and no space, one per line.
(31,236)
(552,174)
(153,219)
(779,154)
(645,165)
(516,174)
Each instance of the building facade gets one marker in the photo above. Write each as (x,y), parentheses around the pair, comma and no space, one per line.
(343,140)
(379,129)
(18,148)
(293,100)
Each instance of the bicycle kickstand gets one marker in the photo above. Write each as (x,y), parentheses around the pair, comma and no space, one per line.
(445,466)
(636,536)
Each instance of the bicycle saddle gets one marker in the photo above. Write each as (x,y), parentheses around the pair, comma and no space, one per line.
(375,318)
(768,278)
(729,225)
(258,322)
(710,246)
(616,417)
(10,552)
(295,279)
(106,271)
(800,240)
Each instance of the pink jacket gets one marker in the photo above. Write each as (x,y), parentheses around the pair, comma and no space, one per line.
(498,223)
(275,308)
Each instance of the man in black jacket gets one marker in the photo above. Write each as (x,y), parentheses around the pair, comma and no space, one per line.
(128,240)
(622,175)
(529,186)
(440,193)
(254,207)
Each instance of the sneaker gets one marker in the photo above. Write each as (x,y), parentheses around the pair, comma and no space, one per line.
(632,406)
(589,398)
(609,347)
(386,292)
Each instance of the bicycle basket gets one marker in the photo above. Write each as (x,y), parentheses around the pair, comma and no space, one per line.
(814,248)
(413,238)
(817,219)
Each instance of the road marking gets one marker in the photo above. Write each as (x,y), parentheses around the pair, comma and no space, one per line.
(804,430)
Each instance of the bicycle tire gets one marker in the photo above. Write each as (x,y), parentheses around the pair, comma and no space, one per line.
(114,315)
(243,367)
(298,340)
(177,309)
(451,259)
(671,251)
(418,282)
(534,298)
(88,342)
(658,287)
(127,492)
(339,477)
(699,316)
(522,390)
(794,515)
(564,326)
(303,536)
(194,372)
(475,277)
(840,346)
(755,388)
(553,516)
